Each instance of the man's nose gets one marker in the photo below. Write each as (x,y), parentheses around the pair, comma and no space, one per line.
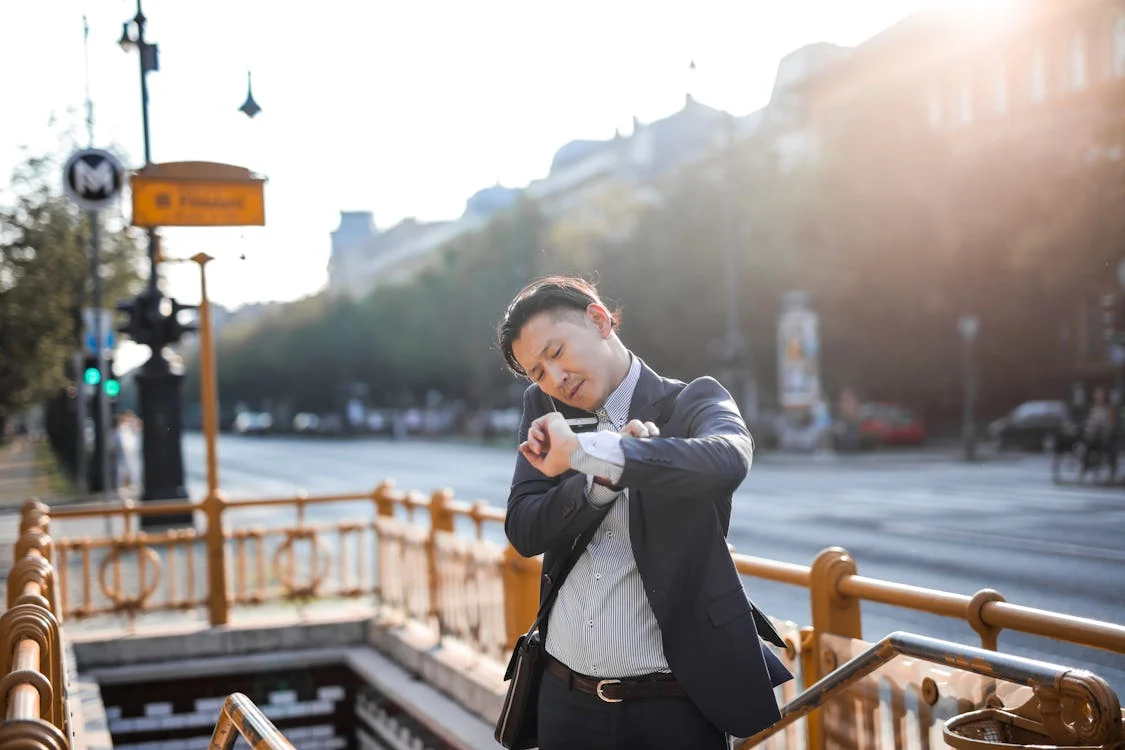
(557,376)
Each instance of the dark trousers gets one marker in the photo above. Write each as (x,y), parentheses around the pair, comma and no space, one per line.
(573,720)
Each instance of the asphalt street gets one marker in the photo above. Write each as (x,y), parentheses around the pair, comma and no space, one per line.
(922,518)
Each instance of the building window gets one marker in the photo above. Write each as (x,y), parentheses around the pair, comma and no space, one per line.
(966,102)
(1038,74)
(1001,90)
(935,109)
(1119,47)
(1078,61)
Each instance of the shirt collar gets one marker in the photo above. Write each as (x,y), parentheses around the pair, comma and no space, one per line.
(616,407)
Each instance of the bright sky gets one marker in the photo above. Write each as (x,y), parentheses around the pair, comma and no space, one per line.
(401,108)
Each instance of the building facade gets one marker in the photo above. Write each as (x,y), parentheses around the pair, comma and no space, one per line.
(1041,78)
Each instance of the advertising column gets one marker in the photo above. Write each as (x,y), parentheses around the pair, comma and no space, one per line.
(799,353)
(800,395)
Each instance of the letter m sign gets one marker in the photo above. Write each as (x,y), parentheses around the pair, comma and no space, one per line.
(93,181)
(93,178)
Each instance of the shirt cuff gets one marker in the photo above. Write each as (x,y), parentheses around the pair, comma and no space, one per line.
(604,445)
(599,458)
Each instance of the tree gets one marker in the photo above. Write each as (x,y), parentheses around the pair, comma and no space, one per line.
(436,333)
(44,276)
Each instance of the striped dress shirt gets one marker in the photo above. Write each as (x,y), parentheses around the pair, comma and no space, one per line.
(602,624)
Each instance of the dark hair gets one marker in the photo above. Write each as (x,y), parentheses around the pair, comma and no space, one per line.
(551,293)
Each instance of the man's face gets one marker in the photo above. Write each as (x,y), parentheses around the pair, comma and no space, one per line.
(567,353)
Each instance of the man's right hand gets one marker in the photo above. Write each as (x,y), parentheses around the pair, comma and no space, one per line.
(638,429)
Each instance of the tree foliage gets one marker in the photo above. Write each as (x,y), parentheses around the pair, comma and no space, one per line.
(895,229)
(45,281)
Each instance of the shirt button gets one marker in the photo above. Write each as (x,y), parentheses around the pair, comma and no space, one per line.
(591,623)
(609,534)
(598,577)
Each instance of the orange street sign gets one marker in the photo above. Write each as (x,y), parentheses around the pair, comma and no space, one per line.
(197,203)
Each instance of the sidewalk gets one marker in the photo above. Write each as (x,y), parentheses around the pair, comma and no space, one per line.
(936,452)
(27,469)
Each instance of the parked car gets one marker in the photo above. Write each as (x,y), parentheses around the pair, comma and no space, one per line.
(1033,425)
(253,423)
(890,424)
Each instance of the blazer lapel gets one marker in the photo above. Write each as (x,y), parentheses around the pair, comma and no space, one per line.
(652,401)
(653,397)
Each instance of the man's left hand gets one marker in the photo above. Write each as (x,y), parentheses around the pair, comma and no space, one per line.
(550,441)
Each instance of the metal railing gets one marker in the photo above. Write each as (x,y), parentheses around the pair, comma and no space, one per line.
(239,716)
(32,687)
(1092,718)
(426,571)
(408,559)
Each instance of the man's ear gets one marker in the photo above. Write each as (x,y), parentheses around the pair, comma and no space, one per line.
(600,316)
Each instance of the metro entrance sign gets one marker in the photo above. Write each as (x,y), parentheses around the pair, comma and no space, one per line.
(93,178)
(197,194)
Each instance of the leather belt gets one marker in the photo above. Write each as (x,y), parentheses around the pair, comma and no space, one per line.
(616,691)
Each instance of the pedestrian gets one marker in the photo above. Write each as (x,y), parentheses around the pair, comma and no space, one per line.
(652,640)
(127,449)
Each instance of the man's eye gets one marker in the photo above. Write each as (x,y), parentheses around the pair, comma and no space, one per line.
(557,352)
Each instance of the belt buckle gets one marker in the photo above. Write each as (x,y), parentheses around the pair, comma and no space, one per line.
(598,691)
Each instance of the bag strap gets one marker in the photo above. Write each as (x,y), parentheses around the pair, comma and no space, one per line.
(576,551)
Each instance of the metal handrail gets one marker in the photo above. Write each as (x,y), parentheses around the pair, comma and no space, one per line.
(239,716)
(984,611)
(32,690)
(1101,726)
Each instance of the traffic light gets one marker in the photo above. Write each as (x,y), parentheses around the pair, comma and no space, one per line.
(91,375)
(112,386)
(137,325)
(174,328)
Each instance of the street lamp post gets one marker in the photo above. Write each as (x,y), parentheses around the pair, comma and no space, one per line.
(159,388)
(213,503)
(1117,346)
(968,325)
(741,383)
(148,54)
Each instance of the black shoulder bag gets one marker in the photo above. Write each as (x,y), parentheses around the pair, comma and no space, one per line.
(518,725)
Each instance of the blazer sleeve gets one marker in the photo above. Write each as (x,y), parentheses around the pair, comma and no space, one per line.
(544,512)
(714,457)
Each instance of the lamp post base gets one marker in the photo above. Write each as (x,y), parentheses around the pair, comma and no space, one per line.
(159,396)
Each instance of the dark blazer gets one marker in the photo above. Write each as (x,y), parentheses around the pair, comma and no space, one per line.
(679,513)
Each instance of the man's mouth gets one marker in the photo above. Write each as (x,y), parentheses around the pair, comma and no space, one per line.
(574,391)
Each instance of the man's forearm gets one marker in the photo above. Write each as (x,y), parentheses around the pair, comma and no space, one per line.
(600,458)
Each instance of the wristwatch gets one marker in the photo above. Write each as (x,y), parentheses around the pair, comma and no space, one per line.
(606,483)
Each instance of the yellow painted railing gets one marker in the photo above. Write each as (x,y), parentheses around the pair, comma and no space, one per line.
(239,716)
(32,687)
(400,550)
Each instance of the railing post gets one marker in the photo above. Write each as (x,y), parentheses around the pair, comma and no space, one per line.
(521,593)
(384,502)
(831,613)
(217,602)
(441,519)
(33,514)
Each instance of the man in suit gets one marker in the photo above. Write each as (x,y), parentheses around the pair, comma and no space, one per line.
(652,641)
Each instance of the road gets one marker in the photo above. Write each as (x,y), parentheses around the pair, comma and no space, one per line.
(920,518)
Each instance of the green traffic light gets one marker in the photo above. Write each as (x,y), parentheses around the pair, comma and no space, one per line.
(112,388)
(92,376)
